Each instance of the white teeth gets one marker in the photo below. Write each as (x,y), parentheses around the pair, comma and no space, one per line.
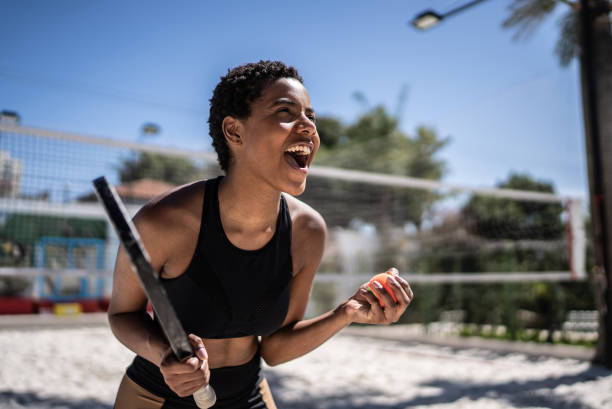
(300,149)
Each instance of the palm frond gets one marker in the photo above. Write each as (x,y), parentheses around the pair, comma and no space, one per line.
(568,44)
(527,14)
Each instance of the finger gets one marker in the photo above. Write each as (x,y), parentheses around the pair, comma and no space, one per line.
(193,364)
(369,297)
(398,309)
(360,294)
(178,380)
(179,368)
(383,295)
(393,309)
(205,373)
(402,297)
(406,287)
(198,347)
(183,390)
(385,305)
(375,309)
(190,382)
(189,388)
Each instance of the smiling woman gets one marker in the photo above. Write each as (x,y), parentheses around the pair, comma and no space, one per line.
(237,255)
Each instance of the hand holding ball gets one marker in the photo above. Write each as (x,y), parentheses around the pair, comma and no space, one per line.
(382,280)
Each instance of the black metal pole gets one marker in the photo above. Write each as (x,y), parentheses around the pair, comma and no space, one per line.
(596,185)
(461,8)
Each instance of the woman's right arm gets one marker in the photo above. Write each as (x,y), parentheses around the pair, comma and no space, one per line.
(128,318)
(166,229)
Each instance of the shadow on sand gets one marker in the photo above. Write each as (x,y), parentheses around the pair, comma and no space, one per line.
(533,393)
(31,400)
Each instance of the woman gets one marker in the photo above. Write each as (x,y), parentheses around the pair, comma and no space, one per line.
(237,256)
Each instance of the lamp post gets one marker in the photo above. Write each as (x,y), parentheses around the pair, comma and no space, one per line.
(429,18)
(594,67)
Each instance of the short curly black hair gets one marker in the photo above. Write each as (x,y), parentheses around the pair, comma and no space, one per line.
(234,95)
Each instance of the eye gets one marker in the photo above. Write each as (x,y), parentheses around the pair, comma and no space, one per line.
(284,111)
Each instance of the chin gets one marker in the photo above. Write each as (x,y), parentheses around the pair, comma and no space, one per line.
(296,189)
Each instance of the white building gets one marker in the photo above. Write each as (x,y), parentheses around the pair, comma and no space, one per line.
(10,175)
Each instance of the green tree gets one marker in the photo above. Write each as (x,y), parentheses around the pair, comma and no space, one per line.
(374,143)
(171,169)
(533,225)
(330,131)
(503,235)
(495,218)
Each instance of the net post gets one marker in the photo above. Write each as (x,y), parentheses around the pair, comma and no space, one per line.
(576,239)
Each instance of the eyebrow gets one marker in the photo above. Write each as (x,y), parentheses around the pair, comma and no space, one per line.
(287,101)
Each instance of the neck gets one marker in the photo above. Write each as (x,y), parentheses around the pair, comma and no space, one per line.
(247,206)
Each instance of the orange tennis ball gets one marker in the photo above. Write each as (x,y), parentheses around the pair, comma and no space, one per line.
(382,280)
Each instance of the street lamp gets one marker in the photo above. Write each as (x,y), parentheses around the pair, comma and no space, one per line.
(427,19)
(430,18)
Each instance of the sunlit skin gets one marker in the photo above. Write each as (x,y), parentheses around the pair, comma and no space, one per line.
(249,201)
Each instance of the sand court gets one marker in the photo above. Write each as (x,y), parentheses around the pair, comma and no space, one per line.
(64,366)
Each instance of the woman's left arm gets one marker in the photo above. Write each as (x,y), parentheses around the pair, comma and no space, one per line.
(297,336)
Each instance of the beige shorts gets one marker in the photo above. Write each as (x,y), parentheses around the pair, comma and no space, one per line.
(133,396)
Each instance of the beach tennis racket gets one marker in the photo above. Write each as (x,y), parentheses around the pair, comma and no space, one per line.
(141,262)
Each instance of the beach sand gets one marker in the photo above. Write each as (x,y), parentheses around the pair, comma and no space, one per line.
(67,366)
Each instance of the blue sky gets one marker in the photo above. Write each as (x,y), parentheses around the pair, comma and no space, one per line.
(105,68)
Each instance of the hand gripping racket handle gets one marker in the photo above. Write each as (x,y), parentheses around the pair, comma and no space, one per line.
(205,397)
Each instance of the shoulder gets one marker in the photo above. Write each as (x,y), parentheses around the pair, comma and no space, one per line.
(304,218)
(176,208)
(169,226)
(309,233)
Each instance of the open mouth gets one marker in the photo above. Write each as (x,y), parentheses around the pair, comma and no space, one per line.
(298,156)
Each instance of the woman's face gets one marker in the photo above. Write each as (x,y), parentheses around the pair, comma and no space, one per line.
(279,139)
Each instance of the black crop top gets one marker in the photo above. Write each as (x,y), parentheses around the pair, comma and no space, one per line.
(228,292)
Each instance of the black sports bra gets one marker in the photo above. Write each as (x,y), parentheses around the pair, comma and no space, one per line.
(227,292)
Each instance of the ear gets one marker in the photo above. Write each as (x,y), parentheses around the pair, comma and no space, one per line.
(232,128)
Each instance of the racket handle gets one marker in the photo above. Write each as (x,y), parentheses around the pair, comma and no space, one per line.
(205,397)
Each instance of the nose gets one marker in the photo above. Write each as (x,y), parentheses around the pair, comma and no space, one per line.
(306,125)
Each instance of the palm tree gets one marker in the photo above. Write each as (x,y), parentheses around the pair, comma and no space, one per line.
(585,34)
